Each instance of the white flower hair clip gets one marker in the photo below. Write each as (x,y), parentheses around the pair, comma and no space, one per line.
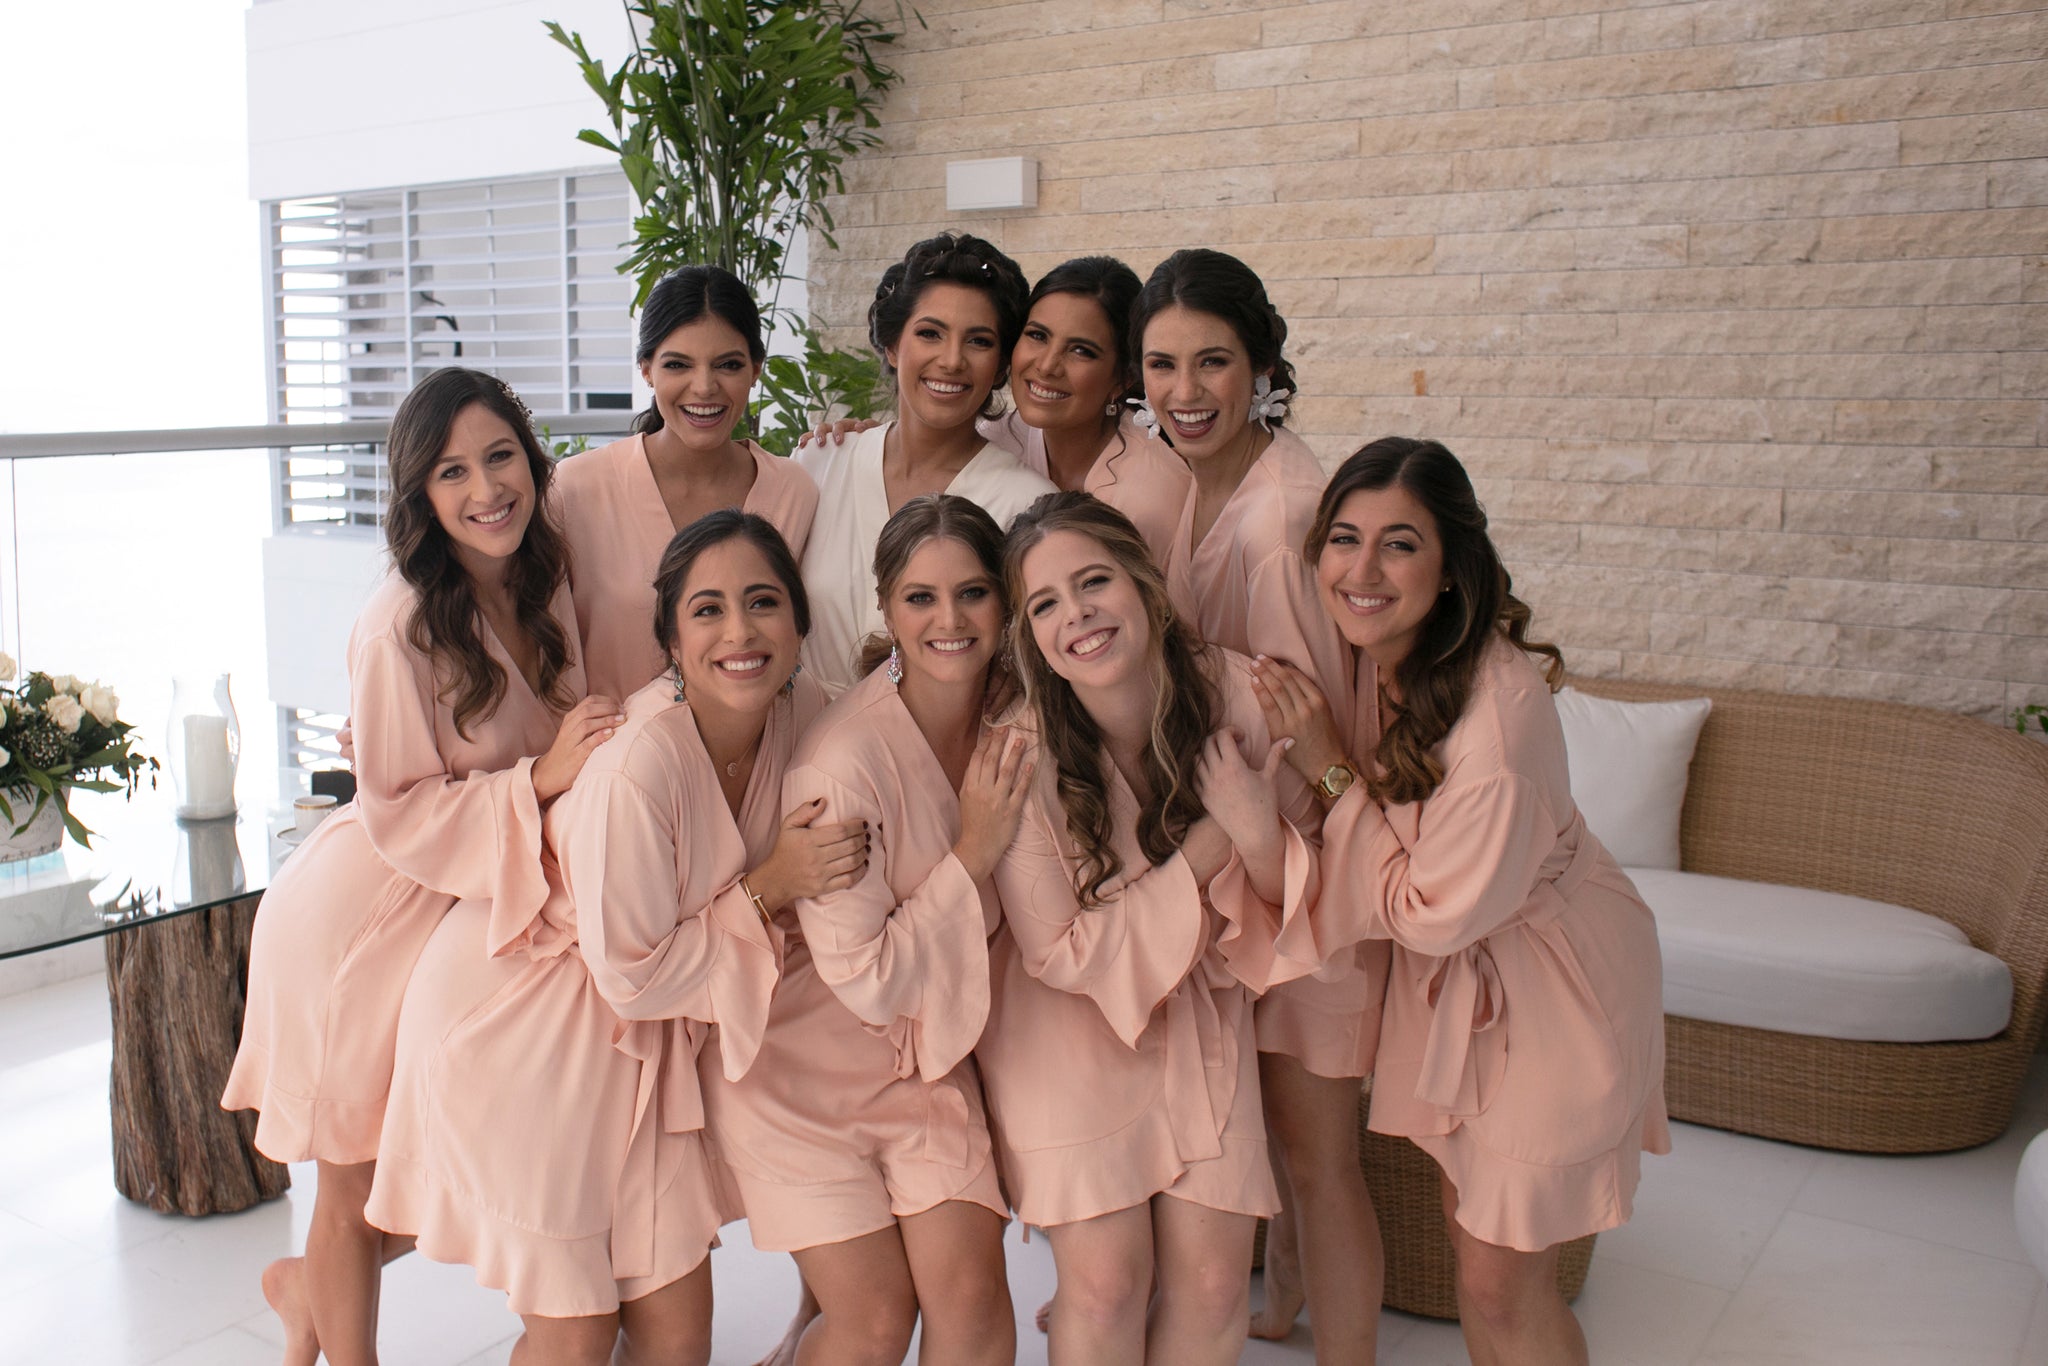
(1142,414)
(1268,403)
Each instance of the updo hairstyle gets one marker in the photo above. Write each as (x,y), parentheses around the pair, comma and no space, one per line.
(959,259)
(1221,286)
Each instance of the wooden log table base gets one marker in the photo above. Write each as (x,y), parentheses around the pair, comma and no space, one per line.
(177,989)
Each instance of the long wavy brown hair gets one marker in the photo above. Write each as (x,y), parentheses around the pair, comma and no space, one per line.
(445,622)
(1184,709)
(941,516)
(1436,678)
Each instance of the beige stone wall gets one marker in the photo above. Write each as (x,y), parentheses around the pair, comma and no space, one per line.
(1737,310)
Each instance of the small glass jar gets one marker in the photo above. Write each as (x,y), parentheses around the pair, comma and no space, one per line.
(203,741)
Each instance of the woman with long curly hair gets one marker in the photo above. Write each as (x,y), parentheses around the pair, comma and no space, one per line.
(1156,884)
(464,685)
(1523,1040)
(944,320)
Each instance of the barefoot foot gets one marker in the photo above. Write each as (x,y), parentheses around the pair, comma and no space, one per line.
(284,1285)
(1043,1318)
(1283,1303)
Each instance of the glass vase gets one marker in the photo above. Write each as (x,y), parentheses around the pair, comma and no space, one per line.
(204,744)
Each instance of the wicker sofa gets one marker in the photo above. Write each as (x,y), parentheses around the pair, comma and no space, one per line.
(1920,808)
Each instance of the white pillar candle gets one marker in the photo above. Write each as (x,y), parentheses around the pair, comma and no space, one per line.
(209,768)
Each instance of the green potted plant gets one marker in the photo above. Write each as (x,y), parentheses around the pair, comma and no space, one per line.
(732,121)
(56,735)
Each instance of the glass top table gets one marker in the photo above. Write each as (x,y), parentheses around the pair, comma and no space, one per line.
(145,865)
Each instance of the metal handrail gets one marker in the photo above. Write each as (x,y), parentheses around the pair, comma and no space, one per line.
(48,445)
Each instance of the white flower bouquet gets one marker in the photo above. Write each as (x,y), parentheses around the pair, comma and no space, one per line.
(57,734)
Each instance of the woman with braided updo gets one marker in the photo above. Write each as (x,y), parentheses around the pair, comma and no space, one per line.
(944,319)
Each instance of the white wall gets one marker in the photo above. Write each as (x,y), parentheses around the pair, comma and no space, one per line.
(368,94)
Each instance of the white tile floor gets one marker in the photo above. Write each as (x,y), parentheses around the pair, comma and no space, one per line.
(1742,1252)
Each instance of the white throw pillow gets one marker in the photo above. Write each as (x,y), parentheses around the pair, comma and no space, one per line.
(1629,762)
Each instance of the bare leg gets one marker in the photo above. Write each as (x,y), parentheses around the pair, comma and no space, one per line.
(956,1263)
(1509,1303)
(1282,1273)
(1204,1300)
(586,1341)
(867,1305)
(344,1265)
(284,1286)
(1104,1267)
(671,1326)
(784,1353)
(1342,1266)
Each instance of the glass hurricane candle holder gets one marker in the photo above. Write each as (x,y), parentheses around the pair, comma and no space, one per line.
(204,744)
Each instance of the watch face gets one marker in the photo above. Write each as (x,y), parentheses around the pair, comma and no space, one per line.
(1337,780)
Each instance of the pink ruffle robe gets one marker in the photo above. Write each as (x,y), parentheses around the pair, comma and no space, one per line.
(839,560)
(1119,1060)
(1523,1040)
(546,1124)
(618,526)
(437,816)
(1248,587)
(863,1104)
(1136,474)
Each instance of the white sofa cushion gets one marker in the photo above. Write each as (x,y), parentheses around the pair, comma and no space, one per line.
(2030,1202)
(1629,762)
(1807,962)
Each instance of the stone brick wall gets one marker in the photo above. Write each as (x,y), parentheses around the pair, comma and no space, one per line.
(1737,309)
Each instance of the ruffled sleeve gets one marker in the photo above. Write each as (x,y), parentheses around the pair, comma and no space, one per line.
(1260,943)
(917,967)
(473,837)
(1442,877)
(652,955)
(1127,954)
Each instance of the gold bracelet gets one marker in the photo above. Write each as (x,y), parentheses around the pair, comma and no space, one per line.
(760,906)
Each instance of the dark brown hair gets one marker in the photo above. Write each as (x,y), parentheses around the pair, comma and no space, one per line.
(957,259)
(684,296)
(1436,677)
(1220,285)
(716,528)
(443,625)
(1184,710)
(932,517)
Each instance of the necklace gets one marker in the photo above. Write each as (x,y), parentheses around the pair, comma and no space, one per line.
(732,770)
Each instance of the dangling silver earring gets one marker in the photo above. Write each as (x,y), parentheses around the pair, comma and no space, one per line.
(675,671)
(893,669)
(789,684)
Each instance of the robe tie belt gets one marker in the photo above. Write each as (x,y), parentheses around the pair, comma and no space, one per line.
(667,1096)
(1468,1004)
(1200,1081)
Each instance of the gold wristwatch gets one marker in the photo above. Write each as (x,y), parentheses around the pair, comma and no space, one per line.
(1336,781)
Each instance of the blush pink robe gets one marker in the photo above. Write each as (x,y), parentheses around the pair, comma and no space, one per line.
(437,816)
(1136,474)
(1248,587)
(1523,1040)
(1119,1060)
(863,1105)
(617,527)
(546,1125)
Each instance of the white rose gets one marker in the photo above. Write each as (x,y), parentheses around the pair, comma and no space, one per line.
(65,711)
(101,701)
(67,683)
(6,667)
(6,756)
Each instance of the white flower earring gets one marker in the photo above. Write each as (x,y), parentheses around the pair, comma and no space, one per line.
(1268,404)
(1142,414)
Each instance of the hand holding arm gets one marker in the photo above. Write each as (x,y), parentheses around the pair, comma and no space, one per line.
(1246,805)
(1296,710)
(810,858)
